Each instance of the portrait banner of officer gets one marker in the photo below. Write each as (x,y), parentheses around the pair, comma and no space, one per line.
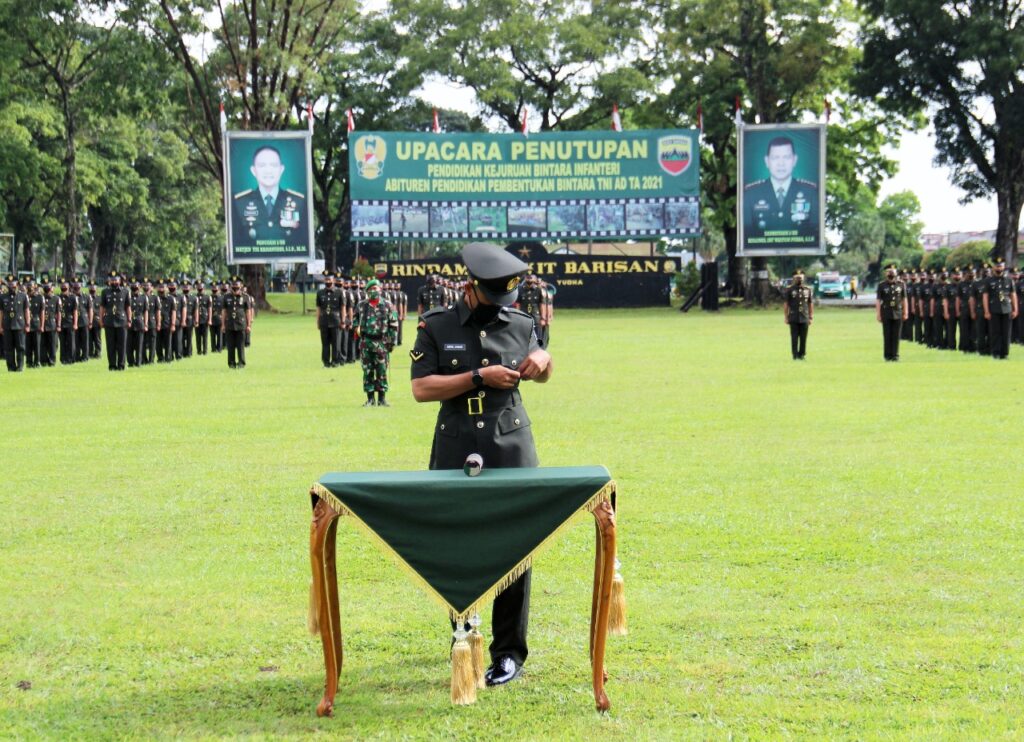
(780,209)
(7,252)
(268,201)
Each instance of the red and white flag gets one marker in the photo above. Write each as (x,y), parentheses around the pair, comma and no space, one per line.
(616,119)
(309,117)
(223,119)
(351,120)
(739,118)
(437,123)
(525,130)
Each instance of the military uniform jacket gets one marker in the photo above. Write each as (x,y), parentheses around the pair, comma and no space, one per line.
(237,308)
(140,305)
(191,303)
(978,287)
(68,307)
(94,300)
(283,223)
(530,301)
(153,305)
(763,212)
(168,305)
(204,303)
(1000,290)
(952,291)
(891,296)
(85,303)
(963,291)
(115,302)
(377,322)
(798,298)
(491,422)
(216,304)
(14,307)
(329,301)
(52,310)
(36,304)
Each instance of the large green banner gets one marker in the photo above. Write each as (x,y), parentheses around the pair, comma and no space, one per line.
(607,184)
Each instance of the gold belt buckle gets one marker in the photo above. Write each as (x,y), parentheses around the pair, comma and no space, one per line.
(477,408)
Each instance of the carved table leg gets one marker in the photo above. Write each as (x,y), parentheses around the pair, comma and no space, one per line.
(322,533)
(604,571)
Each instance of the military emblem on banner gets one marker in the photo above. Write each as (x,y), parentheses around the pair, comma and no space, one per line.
(675,154)
(371,151)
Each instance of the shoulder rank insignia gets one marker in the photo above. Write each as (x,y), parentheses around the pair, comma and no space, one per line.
(244,193)
(414,355)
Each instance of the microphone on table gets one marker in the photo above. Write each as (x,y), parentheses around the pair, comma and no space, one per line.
(474,465)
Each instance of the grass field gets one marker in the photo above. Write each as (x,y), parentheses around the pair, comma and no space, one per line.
(822,549)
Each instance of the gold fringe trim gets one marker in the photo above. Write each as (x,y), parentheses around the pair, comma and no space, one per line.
(617,608)
(602,495)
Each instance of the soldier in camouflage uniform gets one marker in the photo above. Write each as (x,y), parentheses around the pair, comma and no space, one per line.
(376,326)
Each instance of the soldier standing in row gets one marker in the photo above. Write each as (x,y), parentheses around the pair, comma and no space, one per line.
(139,304)
(68,322)
(891,310)
(377,329)
(907,327)
(175,303)
(252,314)
(204,307)
(14,305)
(798,312)
(152,320)
(978,313)
(1018,324)
(165,324)
(963,310)
(85,316)
(328,320)
(531,301)
(402,305)
(920,334)
(115,315)
(51,323)
(34,331)
(190,307)
(216,307)
(236,318)
(949,310)
(95,345)
(1001,308)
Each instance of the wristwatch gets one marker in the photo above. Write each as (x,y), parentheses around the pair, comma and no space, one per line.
(478,379)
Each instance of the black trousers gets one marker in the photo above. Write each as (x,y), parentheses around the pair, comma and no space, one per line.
(966,334)
(216,338)
(401,323)
(136,339)
(117,339)
(330,346)
(248,337)
(798,338)
(981,334)
(186,342)
(82,344)
(951,333)
(14,349)
(33,347)
(164,339)
(201,334)
(999,335)
(67,345)
(48,350)
(1018,325)
(235,342)
(891,338)
(907,330)
(176,343)
(95,344)
(149,347)
(918,328)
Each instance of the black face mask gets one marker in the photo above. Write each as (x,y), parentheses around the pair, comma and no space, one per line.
(485,313)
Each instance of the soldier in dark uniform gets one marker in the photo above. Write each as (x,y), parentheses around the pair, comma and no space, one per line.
(376,328)
(85,315)
(931,288)
(978,313)
(1000,305)
(402,305)
(95,344)
(190,310)
(204,308)
(949,310)
(349,344)
(16,319)
(236,316)
(216,305)
(891,310)
(152,315)
(165,324)
(328,321)
(34,331)
(116,316)
(963,310)
(918,299)
(531,301)
(269,214)
(139,304)
(906,327)
(1018,323)
(780,203)
(798,312)
(51,323)
(68,322)
(471,357)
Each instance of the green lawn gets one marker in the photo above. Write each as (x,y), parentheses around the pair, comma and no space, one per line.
(822,549)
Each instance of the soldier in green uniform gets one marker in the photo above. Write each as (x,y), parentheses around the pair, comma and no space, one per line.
(68,322)
(798,312)
(1000,305)
(86,312)
(190,312)
(152,320)
(51,323)
(204,308)
(236,318)
(165,324)
(328,321)
(95,344)
(139,304)
(531,301)
(963,310)
(891,310)
(34,331)
(376,325)
(978,312)
(268,214)
(471,357)
(116,316)
(216,305)
(780,203)
(16,319)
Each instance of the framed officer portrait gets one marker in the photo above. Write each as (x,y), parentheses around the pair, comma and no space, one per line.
(7,252)
(780,205)
(268,197)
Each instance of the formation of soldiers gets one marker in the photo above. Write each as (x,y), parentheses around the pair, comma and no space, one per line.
(973,309)
(140,321)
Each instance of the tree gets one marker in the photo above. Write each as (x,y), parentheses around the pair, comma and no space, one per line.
(972,252)
(964,62)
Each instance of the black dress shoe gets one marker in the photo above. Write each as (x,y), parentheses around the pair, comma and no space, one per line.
(504,670)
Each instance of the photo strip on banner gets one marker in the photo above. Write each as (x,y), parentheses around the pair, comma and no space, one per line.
(780,209)
(268,187)
(551,185)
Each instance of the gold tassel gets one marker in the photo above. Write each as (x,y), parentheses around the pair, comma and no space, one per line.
(463,682)
(313,618)
(617,609)
(476,645)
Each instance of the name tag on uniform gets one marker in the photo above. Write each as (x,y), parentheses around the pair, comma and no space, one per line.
(454,346)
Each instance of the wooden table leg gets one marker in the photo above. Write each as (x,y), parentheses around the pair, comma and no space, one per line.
(604,571)
(322,533)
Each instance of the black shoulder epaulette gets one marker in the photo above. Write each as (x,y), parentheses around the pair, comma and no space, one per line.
(244,193)
(433,312)
(520,312)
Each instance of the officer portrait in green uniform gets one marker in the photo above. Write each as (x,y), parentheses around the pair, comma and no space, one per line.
(269,204)
(781,201)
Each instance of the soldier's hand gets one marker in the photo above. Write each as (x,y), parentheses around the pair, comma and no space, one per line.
(499,377)
(535,364)
(988,315)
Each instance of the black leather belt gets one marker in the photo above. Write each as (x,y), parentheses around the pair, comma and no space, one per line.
(483,400)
